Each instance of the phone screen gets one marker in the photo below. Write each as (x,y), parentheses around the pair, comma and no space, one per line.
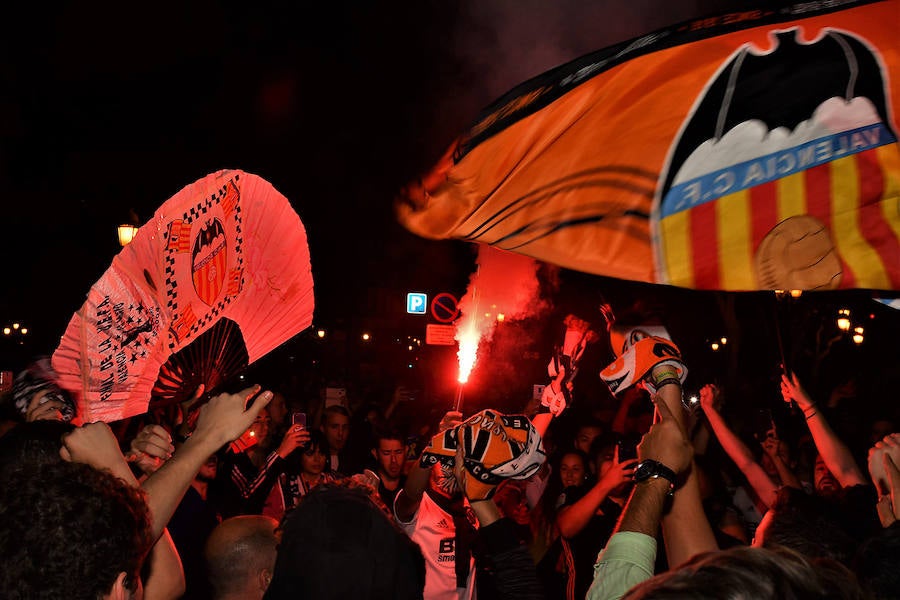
(299,418)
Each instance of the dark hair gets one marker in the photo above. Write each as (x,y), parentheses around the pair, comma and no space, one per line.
(69,530)
(810,524)
(333,528)
(33,443)
(334,409)
(388,433)
(876,563)
(742,572)
(317,441)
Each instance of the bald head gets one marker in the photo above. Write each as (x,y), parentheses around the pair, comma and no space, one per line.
(240,556)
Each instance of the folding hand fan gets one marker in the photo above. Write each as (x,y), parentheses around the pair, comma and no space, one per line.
(218,278)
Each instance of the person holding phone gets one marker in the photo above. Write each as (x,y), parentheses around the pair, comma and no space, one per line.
(249,470)
(305,469)
(588,512)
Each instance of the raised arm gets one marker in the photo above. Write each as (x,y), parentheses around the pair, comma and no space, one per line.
(572,519)
(739,453)
(407,501)
(686,530)
(835,454)
(630,555)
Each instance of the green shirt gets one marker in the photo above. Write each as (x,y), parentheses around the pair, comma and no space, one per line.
(627,560)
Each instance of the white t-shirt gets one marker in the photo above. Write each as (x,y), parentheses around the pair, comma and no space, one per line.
(433,530)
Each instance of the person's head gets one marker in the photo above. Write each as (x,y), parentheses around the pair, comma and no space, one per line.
(876,563)
(240,557)
(278,409)
(314,454)
(389,453)
(742,572)
(70,531)
(585,434)
(37,442)
(511,500)
(573,468)
(336,426)
(826,484)
(443,481)
(338,543)
(209,469)
(262,426)
(807,523)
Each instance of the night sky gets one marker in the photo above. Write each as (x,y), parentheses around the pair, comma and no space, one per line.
(110,109)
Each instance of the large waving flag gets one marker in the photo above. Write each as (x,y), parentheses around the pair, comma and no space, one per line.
(751,150)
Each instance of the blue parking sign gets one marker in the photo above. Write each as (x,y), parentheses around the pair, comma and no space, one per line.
(416,303)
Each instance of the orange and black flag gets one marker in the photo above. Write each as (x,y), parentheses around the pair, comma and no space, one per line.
(746,151)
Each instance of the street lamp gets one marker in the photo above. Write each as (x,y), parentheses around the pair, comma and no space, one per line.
(126,233)
(843,321)
(128,230)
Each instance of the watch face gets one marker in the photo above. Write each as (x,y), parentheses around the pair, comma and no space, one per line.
(645,470)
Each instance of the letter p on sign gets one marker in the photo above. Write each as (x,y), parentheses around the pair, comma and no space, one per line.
(416,303)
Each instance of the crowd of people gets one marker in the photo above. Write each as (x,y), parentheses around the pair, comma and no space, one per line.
(255,494)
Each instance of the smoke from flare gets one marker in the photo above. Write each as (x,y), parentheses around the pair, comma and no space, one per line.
(503,287)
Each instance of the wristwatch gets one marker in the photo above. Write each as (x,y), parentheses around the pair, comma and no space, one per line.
(652,469)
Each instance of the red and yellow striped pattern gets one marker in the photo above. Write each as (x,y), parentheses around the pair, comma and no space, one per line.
(856,197)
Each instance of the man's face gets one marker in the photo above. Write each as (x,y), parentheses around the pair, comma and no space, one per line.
(825,483)
(277,408)
(390,455)
(336,428)
(208,471)
(585,436)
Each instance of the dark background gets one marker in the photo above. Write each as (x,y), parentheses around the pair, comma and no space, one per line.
(107,110)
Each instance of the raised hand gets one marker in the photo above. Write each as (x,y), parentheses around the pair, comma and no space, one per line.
(619,472)
(890,444)
(295,437)
(150,448)
(666,441)
(792,390)
(452,418)
(888,506)
(710,397)
(224,418)
(96,445)
(42,409)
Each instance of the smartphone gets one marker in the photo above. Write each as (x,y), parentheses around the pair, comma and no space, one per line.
(627,450)
(298,418)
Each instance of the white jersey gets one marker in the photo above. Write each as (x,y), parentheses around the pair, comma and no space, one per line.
(433,530)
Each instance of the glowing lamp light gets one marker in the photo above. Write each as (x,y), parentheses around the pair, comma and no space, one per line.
(500,316)
(858,338)
(858,330)
(714,346)
(796,293)
(24,330)
(724,341)
(843,323)
(126,233)
(366,337)
(320,333)
(15,325)
(7,331)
